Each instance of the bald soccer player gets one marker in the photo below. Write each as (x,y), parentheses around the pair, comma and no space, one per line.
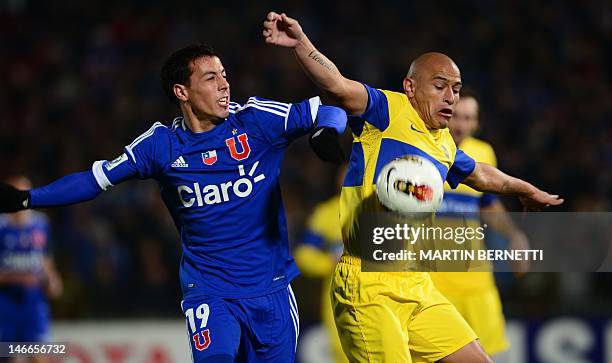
(397,316)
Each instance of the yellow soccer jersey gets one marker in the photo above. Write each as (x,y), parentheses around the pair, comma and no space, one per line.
(316,256)
(467,200)
(390,128)
(321,245)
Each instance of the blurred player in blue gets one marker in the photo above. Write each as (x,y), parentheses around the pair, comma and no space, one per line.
(217,166)
(27,275)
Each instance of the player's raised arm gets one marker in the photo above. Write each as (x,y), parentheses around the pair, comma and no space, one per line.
(281,30)
(486,178)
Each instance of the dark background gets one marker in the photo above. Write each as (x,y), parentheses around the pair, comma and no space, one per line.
(79,80)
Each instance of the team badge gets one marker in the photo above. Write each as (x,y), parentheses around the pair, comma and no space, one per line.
(243,139)
(209,157)
(39,239)
(112,164)
(201,340)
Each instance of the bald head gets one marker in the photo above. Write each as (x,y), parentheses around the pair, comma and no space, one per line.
(432,86)
(430,62)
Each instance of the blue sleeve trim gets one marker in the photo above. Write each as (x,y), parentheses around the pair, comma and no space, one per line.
(330,116)
(461,168)
(313,239)
(377,112)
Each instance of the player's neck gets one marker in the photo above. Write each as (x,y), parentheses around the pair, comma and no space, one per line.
(458,140)
(196,125)
(21,218)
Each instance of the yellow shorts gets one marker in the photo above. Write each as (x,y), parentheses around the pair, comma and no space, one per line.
(394,316)
(483,311)
(330,325)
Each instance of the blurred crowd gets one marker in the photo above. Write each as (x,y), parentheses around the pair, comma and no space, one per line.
(79,80)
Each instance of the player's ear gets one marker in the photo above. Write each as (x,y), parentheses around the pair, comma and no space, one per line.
(180,92)
(409,84)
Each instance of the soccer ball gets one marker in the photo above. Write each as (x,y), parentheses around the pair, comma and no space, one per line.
(411,186)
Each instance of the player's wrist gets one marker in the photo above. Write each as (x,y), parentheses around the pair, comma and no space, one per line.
(303,43)
(13,199)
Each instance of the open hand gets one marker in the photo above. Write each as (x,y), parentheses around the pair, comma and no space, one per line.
(539,200)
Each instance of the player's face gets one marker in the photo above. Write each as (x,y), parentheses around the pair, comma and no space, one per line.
(436,93)
(208,92)
(465,119)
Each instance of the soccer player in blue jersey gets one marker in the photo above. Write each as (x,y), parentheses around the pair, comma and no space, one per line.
(397,316)
(218,169)
(27,275)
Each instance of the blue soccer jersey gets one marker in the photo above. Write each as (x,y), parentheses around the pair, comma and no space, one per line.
(24,312)
(222,190)
(23,247)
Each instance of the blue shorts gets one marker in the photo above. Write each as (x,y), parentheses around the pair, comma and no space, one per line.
(23,320)
(259,329)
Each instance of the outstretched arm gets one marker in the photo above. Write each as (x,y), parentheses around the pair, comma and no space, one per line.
(486,178)
(281,30)
(53,281)
(71,189)
(142,159)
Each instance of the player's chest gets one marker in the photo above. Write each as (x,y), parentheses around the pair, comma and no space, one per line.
(439,147)
(219,154)
(225,169)
(23,240)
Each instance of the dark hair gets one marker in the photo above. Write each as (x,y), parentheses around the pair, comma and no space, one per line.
(467,92)
(177,67)
(470,92)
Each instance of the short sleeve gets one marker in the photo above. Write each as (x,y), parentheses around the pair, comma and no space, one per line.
(143,158)
(377,112)
(148,152)
(463,165)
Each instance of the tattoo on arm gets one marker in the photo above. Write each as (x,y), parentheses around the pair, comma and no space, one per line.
(504,187)
(317,57)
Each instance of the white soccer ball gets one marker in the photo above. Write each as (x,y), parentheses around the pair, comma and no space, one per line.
(411,186)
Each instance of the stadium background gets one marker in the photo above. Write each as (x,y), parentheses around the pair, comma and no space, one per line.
(79,80)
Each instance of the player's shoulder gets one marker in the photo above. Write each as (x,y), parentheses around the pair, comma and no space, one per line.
(260,107)
(393,95)
(157,132)
(448,146)
(154,142)
(331,204)
(326,211)
(477,143)
(478,149)
(4,221)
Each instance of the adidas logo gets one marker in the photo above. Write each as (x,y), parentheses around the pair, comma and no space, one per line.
(180,163)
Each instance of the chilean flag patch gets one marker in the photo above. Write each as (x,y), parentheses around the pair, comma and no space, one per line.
(209,157)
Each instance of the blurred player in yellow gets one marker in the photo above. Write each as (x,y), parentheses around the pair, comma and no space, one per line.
(474,294)
(317,255)
(397,316)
